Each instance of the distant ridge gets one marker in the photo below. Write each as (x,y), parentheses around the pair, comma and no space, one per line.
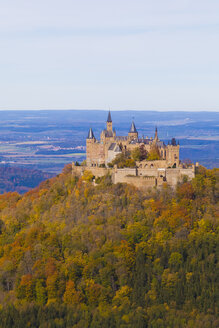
(20,179)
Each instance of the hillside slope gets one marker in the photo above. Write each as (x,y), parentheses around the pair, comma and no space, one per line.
(77,255)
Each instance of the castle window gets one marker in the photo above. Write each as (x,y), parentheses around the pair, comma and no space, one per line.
(145,166)
(152,165)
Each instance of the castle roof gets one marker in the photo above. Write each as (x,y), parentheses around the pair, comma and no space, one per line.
(111,147)
(115,147)
(90,134)
(121,138)
(160,143)
(144,141)
(108,133)
(133,128)
(109,119)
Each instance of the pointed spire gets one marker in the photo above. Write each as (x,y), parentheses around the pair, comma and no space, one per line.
(156,136)
(109,119)
(133,128)
(173,142)
(90,134)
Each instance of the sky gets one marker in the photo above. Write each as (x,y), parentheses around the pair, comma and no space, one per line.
(117,54)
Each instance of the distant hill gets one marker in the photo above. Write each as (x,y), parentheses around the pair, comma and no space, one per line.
(20,179)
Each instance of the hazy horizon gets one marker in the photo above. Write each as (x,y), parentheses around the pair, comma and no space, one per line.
(112,110)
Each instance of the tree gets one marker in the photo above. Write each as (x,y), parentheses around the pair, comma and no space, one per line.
(154,154)
(139,153)
(123,160)
(41,296)
(87,176)
(71,295)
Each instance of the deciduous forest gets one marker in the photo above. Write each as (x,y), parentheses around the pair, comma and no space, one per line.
(74,254)
(20,179)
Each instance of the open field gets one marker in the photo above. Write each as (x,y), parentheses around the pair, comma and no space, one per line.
(47,140)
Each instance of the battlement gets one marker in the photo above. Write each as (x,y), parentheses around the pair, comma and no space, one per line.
(140,178)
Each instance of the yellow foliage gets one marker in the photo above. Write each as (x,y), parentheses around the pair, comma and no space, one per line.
(77,193)
(87,176)
(71,295)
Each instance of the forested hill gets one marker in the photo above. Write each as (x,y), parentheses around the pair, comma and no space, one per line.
(20,179)
(77,255)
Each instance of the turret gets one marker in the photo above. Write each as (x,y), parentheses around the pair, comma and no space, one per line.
(109,123)
(133,133)
(155,140)
(90,143)
(90,134)
(172,153)
(156,135)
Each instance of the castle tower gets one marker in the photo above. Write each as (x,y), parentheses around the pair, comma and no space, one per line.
(90,141)
(133,133)
(109,123)
(172,153)
(156,135)
(155,140)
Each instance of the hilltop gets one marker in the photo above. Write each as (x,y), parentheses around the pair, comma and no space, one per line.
(77,255)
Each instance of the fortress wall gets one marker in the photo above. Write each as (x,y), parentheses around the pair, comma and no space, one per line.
(97,171)
(148,172)
(172,176)
(139,182)
(175,175)
(77,170)
(190,172)
(152,164)
(120,174)
(141,178)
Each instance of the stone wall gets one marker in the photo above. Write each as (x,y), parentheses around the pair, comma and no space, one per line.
(152,164)
(97,171)
(118,175)
(139,182)
(141,178)
(175,175)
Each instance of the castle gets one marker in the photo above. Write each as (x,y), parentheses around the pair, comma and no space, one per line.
(149,172)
